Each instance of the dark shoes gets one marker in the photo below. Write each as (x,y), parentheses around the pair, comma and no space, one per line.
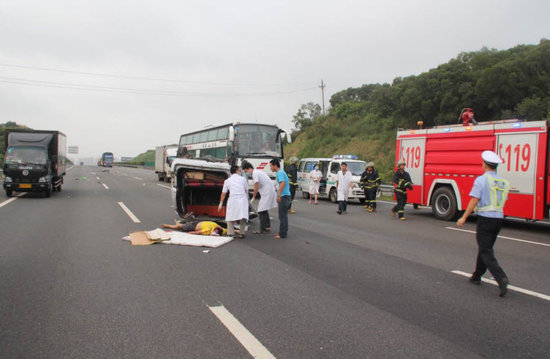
(503,286)
(339,212)
(475,280)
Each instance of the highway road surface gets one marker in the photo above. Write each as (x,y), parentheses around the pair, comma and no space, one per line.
(353,286)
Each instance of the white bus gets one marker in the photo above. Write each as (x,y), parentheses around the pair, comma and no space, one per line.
(204,158)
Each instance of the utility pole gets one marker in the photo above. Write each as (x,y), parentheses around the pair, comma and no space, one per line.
(322,87)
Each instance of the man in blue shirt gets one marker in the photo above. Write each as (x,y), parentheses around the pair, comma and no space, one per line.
(283,197)
(489,195)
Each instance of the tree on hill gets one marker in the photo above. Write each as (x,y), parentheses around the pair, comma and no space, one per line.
(496,84)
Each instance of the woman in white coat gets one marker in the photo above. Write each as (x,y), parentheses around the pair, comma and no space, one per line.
(314,183)
(343,185)
(237,204)
(268,195)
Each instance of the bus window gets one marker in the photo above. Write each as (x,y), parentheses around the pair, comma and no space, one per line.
(223,133)
(212,135)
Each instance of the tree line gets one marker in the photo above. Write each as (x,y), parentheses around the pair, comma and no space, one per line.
(513,83)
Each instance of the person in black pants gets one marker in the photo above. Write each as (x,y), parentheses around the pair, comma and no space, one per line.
(402,182)
(293,178)
(370,181)
(489,195)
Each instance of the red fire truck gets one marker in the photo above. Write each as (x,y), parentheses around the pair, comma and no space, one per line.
(444,161)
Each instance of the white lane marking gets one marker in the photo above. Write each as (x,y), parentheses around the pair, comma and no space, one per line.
(8,201)
(163,186)
(503,237)
(138,178)
(129,213)
(104,185)
(239,331)
(511,287)
(98,178)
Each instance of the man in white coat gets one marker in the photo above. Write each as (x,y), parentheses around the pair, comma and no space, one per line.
(268,195)
(237,204)
(343,185)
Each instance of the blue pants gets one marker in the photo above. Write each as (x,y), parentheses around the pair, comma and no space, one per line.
(284,206)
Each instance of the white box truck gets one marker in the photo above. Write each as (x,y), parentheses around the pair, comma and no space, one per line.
(163,161)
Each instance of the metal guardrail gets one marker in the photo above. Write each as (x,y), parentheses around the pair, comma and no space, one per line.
(386,190)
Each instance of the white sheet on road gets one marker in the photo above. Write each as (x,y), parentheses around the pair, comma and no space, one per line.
(186,239)
(195,240)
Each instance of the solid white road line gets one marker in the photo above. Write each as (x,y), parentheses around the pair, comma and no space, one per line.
(139,179)
(511,287)
(503,237)
(239,331)
(129,213)
(163,186)
(8,201)
(104,185)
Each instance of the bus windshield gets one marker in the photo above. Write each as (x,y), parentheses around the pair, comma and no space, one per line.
(26,154)
(257,140)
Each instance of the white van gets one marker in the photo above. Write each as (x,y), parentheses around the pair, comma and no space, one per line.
(329,167)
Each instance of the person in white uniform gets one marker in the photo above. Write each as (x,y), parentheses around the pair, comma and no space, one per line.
(343,185)
(314,183)
(268,195)
(237,204)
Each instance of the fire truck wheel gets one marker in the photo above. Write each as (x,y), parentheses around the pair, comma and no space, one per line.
(305,194)
(9,193)
(332,195)
(444,204)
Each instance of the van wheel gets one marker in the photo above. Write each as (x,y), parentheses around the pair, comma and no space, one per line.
(444,204)
(9,193)
(305,194)
(332,195)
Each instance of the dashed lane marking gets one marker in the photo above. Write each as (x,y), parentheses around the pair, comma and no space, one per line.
(164,186)
(139,178)
(511,287)
(8,201)
(503,237)
(243,335)
(104,185)
(129,213)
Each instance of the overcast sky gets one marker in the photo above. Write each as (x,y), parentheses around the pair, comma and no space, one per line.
(181,65)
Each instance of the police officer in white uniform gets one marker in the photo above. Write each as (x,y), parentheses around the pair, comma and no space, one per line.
(237,204)
(268,195)
(489,195)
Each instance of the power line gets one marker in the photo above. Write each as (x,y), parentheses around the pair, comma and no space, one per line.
(85,87)
(134,77)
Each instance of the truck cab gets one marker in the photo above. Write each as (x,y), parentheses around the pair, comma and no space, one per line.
(329,167)
(34,161)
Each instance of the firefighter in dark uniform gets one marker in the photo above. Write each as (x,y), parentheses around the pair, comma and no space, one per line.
(293,181)
(489,195)
(370,181)
(402,182)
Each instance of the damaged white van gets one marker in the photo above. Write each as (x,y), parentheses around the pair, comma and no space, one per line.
(204,159)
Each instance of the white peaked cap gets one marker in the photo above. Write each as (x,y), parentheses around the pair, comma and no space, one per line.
(491,158)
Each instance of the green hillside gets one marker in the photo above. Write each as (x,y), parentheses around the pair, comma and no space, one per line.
(3,128)
(364,120)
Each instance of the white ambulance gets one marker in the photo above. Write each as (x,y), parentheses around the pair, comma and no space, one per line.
(329,167)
